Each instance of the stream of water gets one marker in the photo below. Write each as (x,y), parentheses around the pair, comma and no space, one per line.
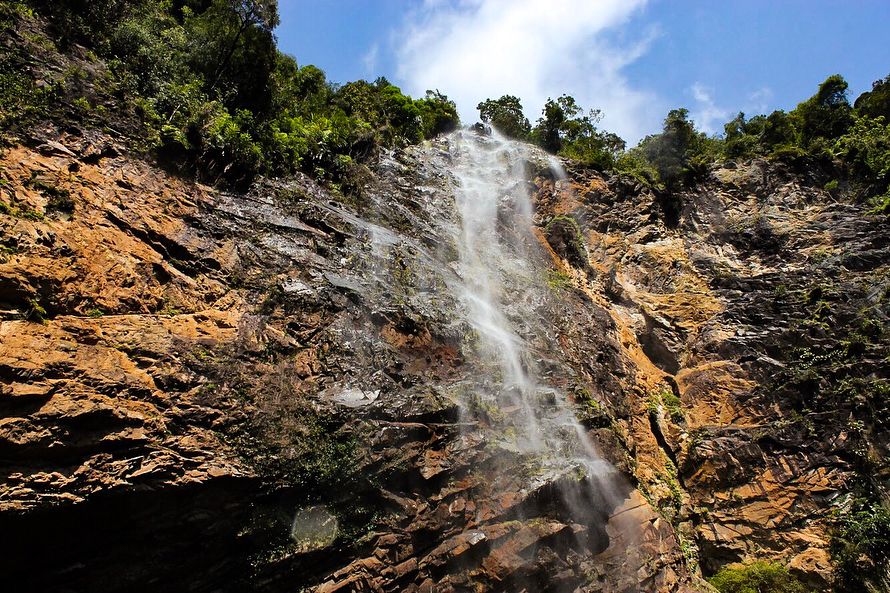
(503,285)
(458,245)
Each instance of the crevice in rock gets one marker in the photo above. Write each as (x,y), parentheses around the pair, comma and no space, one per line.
(655,427)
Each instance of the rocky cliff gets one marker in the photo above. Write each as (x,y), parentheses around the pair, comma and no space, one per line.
(269,390)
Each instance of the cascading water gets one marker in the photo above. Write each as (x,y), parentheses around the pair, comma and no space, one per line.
(502,271)
(519,498)
(501,286)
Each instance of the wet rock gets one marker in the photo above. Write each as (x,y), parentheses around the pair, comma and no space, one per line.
(214,368)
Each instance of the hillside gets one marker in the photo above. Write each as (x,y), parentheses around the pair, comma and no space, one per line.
(293,379)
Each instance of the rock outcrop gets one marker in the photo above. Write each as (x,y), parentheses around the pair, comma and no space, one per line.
(758,327)
(213,391)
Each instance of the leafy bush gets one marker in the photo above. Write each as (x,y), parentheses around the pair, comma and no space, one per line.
(861,549)
(634,164)
(865,149)
(758,577)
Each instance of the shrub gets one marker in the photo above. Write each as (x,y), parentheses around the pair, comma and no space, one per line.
(876,102)
(35,312)
(865,148)
(757,577)
(634,164)
(861,549)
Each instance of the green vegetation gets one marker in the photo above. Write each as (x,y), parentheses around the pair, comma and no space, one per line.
(557,279)
(565,230)
(202,84)
(6,252)
(680,153)
(22,99)
(665,493)
(846,142)
(592,412)
(666,398)
(826,131)
(876,102)
(842,379)
(29,214)
(690,550)
(860,548)
(505,114)
(59,199)
(312,451)
(210,91)
(757,577)
(36,312)
(564,128)
(670,478)
(24,212)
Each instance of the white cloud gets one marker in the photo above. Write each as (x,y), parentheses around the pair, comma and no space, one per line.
(369,60)
(759,101)
(708,117)
(475,49)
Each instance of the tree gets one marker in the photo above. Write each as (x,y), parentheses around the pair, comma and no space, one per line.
(551,126)
(565,128)
(779,130)
(876,102)
(258,14)
(234,50)
(737,141)
(393,115)
(89,22)
(827,114)
(438,113)
(670,151)
(505,114)
(598,149)
(560,120)
(866,148)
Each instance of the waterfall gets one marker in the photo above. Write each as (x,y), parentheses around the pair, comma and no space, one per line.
(458,250)
(502,271)
(503,268)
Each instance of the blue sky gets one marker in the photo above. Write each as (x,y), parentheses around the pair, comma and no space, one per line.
(634,59)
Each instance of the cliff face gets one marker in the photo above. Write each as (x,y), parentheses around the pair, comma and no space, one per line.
(269,390)
(764,309)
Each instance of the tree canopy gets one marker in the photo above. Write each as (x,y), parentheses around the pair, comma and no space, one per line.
(506,115)
(215,94)
(825,130)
